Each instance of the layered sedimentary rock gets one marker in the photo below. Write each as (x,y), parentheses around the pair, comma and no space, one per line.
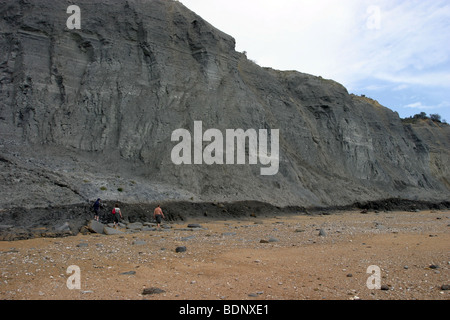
(87,113)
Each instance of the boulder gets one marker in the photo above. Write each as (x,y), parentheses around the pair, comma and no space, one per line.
(95,226)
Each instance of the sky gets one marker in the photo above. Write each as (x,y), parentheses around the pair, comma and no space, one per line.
(396,52)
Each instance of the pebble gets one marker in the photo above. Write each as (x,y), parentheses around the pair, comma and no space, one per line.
(229,233)
(152,291)
(194,225)
(180,249)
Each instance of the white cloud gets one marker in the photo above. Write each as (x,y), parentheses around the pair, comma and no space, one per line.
(421,106)
(418,105)
(429,79)
(335,39)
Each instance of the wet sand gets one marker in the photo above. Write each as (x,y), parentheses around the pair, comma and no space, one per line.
(226,260)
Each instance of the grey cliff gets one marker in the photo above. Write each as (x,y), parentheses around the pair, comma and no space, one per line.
(89,113)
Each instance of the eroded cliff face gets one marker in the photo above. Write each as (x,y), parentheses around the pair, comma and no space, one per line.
(95,108)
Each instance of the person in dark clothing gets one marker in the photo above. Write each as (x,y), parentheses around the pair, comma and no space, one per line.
(97,206)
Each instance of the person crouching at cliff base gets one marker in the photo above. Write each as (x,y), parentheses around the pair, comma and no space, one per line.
(116,214)
(158,215)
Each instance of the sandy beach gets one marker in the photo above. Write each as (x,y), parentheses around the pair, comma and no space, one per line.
(287,257)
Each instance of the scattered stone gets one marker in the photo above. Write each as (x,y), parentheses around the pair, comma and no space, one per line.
(82,244)
(322,233)
(379,226)
(87,291)
(384,287)
(138,242)
(445,287)
(194,225)
(152,291)
(434,266)
(186,229)
(228,233)
(273,240)
(84,230)
(111,231)
(180,249)
(263,241)
(129,273)
(349,275)
(187,238)
(135,226)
